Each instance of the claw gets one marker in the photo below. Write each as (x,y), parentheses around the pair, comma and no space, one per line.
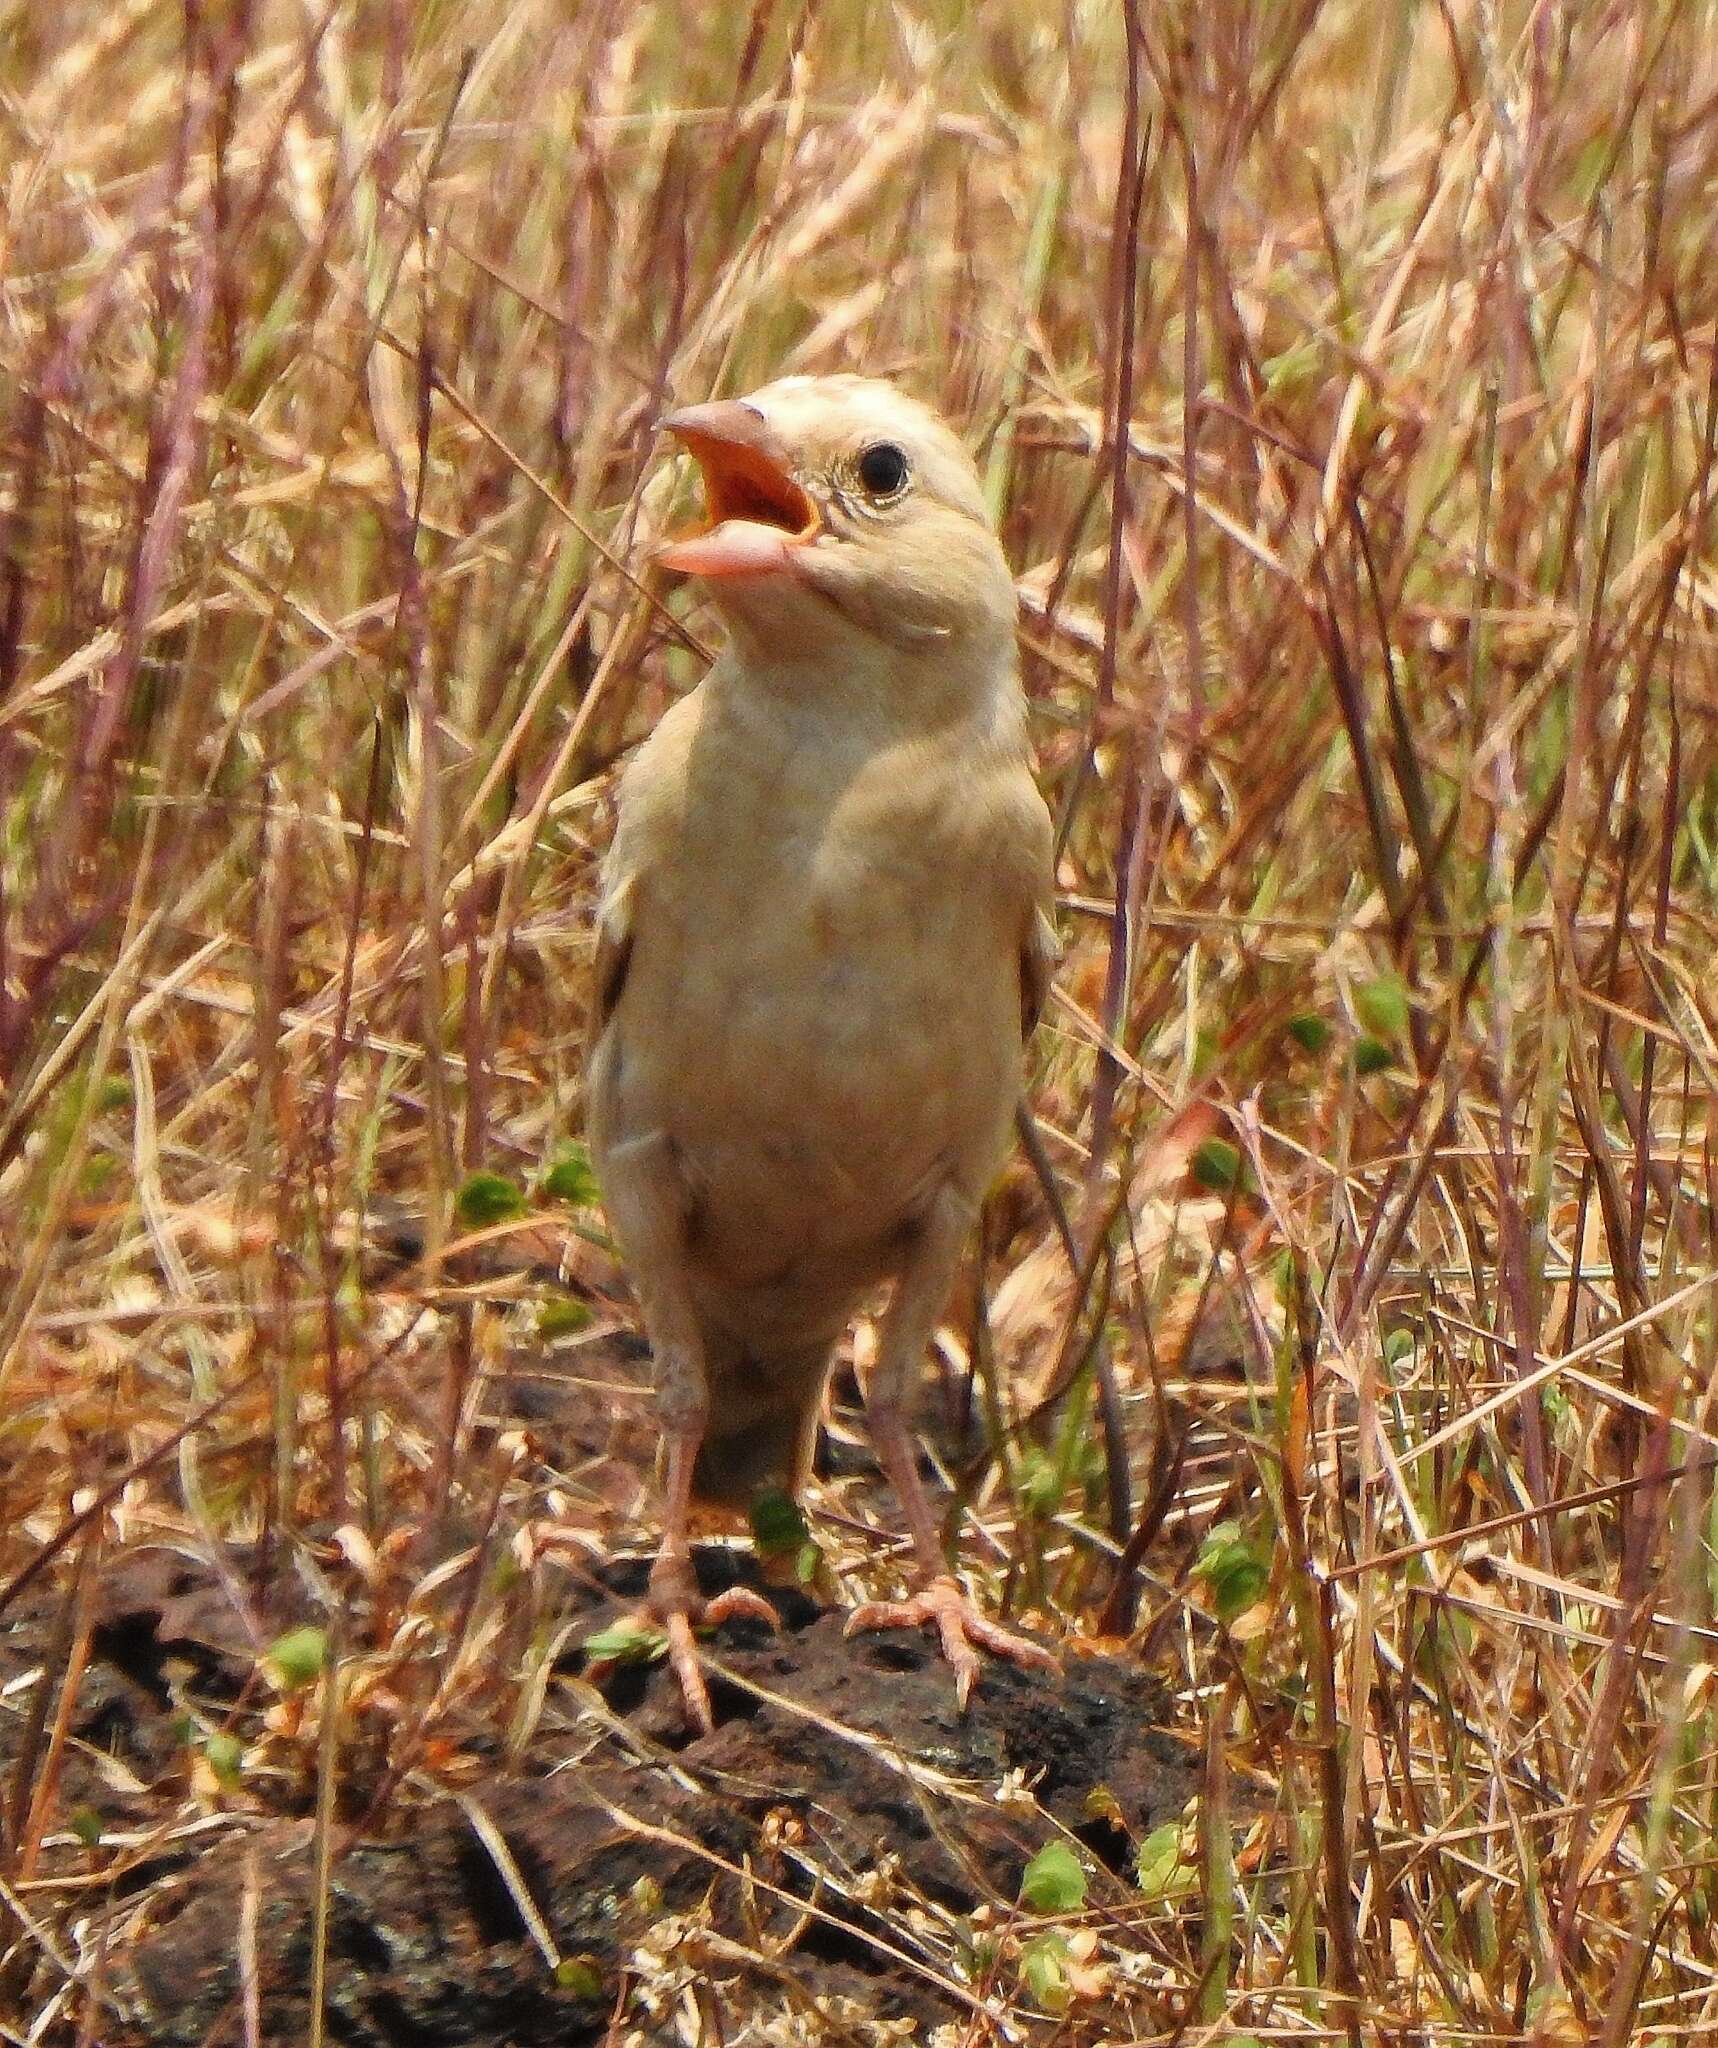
(959,1626)
(677,1608)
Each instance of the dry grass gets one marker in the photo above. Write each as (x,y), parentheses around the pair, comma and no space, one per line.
(1378,706)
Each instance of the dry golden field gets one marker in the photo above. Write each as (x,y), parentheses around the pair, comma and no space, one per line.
(1345,382)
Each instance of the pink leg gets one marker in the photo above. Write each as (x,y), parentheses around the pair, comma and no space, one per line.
(674,1600)
(646,1204)
(907,1329)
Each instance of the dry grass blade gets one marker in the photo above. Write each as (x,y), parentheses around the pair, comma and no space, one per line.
(1345,383)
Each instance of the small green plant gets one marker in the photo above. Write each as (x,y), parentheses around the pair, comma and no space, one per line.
(562,1318)
(1158,1866)
(626,1642)
(778,1523)
(780,1530)
(1372,1056)
(1217,1165)
(1054,1881)
(571,1179)
(225,1755)
(1382,1006)
(581,1975)
(297,1659)
(485,1199)
(87,1825)
(1235,1567)
(1044,1970)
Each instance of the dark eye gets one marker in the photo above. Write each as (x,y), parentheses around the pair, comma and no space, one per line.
(883,469)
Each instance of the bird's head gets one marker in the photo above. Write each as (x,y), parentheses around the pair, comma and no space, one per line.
(841,495)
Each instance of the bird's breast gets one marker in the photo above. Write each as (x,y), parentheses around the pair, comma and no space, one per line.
(831,1027)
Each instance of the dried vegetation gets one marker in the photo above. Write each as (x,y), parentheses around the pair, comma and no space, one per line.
(1344,376)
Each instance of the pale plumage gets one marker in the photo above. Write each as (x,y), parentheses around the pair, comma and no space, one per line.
(825,925)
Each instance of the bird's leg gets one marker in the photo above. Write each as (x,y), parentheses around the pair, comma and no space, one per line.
(907,1329)
(674,1600)
(645,1199)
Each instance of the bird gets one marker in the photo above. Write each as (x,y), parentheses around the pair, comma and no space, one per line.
(825,930)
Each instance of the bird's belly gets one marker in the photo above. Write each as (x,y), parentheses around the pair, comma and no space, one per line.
(820,1091)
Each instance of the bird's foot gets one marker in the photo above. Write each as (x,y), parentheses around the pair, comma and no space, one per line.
(675,1606)
(962,1629)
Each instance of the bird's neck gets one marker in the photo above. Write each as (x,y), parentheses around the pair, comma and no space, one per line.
(877,689)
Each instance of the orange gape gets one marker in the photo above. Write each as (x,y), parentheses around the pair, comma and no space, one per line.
(825,927)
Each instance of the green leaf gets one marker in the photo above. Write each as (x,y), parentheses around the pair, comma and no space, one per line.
(487,1198)
(1054,1881)
(297,1658)
(1397,1346)
(1044,1971)
(1232,1565)
(562,1318)
(1297,366)
(778,1524)
(626,1642)
(1040,1482)
(807,1564)
(1157,1859)
(581,1975)
(1217,1164)
(980,1949)
(1372,1056)
(86,1824)
(1382,1006)
(1101,1803)
(571,1179)
(226,1755)
(1310,1031)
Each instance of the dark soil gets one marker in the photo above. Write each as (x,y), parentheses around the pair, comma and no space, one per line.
(761,1869)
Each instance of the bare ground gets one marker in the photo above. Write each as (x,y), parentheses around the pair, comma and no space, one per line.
(766,1862)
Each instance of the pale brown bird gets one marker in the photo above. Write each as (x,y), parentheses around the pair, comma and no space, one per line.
(825,931)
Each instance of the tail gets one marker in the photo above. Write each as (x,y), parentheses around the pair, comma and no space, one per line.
(762,1428)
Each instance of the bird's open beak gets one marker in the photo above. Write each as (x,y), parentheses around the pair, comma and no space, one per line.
(757,512)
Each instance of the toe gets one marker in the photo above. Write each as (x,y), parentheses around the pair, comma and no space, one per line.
(683,1655)
(962,1631)
(739,1603)
(1001,1642)
(886,1614)
(959,1655)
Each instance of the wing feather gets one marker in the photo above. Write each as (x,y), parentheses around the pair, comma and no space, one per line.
(1040,956)
(614,954)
